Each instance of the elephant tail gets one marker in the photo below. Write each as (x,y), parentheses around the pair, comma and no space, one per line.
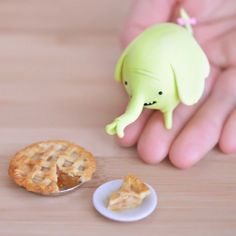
(186,21)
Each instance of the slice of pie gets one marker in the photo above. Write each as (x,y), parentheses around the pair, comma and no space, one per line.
(130,195)
(50,166)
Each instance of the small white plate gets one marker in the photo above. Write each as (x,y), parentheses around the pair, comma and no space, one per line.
(103,192)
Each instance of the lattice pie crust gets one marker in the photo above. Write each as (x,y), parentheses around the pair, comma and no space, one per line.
(48,166)
(130,195)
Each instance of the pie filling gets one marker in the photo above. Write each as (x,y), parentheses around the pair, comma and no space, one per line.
(65,181)
(125,203)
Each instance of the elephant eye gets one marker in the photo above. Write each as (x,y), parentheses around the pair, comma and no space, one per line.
(126,82)
(160,92)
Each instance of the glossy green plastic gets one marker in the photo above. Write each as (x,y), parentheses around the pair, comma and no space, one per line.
(162,67)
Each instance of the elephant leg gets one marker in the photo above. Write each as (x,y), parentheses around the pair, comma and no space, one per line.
(168,119)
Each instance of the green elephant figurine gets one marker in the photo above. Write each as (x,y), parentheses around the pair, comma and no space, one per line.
(162,67)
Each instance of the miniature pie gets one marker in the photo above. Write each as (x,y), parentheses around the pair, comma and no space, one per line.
(130,195)
(48,166)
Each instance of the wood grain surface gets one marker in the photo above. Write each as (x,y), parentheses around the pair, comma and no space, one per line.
(56,82)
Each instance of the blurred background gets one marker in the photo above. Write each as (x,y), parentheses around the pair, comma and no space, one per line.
(57,60)
(63,16)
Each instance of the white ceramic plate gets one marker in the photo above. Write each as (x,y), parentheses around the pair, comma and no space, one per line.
(103,192)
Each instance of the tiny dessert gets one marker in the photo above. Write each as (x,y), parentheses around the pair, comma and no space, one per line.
(130,195)
(50,166)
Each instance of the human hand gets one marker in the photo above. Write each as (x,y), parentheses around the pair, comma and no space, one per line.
(197,129)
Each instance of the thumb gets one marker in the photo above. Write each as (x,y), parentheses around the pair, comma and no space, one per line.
(143,14)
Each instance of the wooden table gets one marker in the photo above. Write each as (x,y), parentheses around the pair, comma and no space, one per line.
(57,60)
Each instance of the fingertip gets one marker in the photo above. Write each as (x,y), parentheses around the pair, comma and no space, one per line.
(227,146)
(182,159)
(154,142)
(151,154)
(185,153)
(227,142)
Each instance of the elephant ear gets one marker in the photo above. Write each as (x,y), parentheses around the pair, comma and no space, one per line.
(120,63)
(191,68)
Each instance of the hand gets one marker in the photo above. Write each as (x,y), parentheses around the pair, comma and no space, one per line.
(196,129)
